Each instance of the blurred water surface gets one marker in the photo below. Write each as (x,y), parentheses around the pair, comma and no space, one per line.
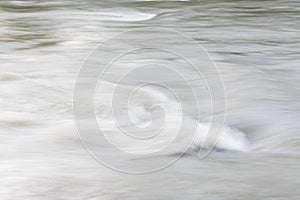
(255,44)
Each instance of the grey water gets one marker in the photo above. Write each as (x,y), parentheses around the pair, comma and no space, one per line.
(255,46)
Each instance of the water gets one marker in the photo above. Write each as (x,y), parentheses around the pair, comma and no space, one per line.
(256,46)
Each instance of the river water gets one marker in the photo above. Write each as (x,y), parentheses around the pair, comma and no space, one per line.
(48,146)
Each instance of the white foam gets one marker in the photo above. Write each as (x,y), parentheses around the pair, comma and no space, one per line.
(227,139)
(129,16)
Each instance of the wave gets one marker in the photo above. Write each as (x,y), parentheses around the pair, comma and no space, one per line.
(145,110)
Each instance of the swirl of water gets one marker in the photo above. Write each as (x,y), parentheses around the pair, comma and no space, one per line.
(146,86)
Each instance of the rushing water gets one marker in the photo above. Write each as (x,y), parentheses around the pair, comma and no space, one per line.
(255,45)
